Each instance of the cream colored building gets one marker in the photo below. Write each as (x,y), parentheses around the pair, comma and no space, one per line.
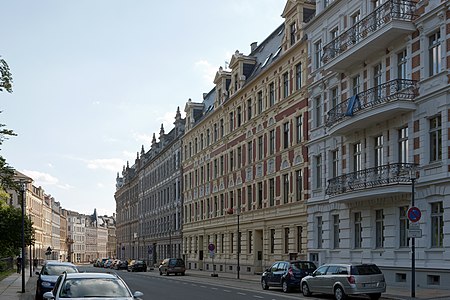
(245,158)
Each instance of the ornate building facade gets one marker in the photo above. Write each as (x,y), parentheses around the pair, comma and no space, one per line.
(149,200)
(245,159)
(379,99)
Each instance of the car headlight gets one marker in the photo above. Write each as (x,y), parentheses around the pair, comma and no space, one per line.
(46,284)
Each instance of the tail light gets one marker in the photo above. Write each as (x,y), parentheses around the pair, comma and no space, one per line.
(351,279)
(290,272)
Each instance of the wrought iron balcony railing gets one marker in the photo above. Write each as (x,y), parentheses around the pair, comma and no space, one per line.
(397,89)
(391,174)
(390,10)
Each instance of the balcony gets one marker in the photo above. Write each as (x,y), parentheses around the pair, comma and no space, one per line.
(379,181)
(379,103)
(377,31)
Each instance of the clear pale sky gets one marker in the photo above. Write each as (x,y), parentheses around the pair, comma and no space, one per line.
(94,79)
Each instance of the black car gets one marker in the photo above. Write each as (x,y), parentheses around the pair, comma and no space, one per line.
(121,265)
(286,274)
(137,266)
(49,274)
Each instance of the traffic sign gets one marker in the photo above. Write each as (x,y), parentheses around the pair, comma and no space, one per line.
(211,247)
(414,214)
(414,233)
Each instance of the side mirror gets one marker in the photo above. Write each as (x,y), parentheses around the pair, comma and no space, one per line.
(138,294)
(48,295)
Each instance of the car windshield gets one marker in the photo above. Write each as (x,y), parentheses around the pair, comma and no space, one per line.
(58,269)
(93,287)
(365,270)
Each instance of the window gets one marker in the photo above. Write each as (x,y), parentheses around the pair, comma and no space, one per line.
(221,128)
(293,28)
(231,242)
(239,116)
(239,157)
(403,145)
(335,219)
(377,81)
(231,121)
(285,85)
(299,239)
(437,225)
(334,97)
(271,192)
(272,240)
(222,167)
(355,84)
(286,240)
(435,138)
(404,226)
(357,230)
(298,76)
(319,232)
(434,52)
(249,197)
(286,188)
(378,151)
(298,185)
(250,152)
(379,228)
(318,111)
(260,148)
(318,54)
(231,195)
(299,128)
(216,134)
(272,142)
(231,157)
(401,65)
(249,110)
(249,243)
(318,165)
(260,102)
(334,163)
(260,194)
(357,157)
(355,19)
(286,135)
(271,94)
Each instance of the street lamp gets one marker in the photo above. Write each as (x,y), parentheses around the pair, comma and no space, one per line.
(22,265)
(413,240)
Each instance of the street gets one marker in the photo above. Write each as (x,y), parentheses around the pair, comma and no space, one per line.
(190,287)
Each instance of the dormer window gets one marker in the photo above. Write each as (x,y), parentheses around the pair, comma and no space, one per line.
(293,28)
(235,83)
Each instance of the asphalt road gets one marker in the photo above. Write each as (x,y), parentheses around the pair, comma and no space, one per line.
(189,287)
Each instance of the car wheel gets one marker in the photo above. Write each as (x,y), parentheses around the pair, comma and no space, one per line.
(264,284)
(339,293)
(182,274)
(305,290)
(375,296)
(285,287)
(167,273)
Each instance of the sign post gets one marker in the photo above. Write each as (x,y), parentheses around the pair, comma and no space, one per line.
(211,248)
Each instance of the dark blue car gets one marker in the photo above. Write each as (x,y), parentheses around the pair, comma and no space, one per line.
(49,274)
(286,274)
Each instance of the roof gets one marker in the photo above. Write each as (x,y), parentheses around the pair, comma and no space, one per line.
(91,275)
(59,263)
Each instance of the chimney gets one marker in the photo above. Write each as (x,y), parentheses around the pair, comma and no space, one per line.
(253,46)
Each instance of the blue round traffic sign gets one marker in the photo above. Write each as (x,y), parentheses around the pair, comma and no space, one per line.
(211,247)
(414,214)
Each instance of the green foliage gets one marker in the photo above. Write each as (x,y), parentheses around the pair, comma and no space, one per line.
(5,77)
(11,231)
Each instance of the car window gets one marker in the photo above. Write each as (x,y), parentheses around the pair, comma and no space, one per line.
(180,263)
(332,270)
(93,287)
(342,271)
(365,270)
(321,270)
(274,267)
(305,265)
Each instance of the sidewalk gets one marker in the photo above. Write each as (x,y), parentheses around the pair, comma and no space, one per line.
(11,286)
(392,292)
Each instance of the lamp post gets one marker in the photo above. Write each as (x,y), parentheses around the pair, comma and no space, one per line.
(22,265)
(413,241)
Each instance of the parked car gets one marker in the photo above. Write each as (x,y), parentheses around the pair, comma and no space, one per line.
(49,274)
(91,285)
(137,266)
(286,274)
(172,266)
(121,265)
(341,280)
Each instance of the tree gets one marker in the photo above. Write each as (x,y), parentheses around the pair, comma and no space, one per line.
(11,231)
(5,77)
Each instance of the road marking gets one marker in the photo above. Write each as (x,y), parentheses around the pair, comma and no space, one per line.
(214,288)
(256,296)
(202,286)
(243,294)
(227,291)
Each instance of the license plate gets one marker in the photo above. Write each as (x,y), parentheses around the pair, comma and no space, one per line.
(370,285)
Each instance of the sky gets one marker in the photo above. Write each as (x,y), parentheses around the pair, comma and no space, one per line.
(93,80)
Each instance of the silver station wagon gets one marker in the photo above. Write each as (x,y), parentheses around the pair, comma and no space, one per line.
(341,280)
